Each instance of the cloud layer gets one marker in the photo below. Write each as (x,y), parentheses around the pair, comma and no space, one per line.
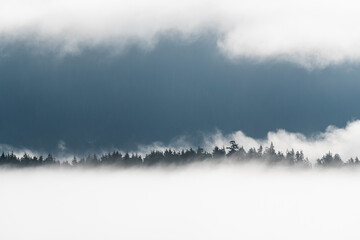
(311,33)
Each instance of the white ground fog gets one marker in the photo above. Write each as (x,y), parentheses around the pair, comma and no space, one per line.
(223,202)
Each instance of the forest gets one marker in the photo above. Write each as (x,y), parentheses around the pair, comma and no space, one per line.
(233,152)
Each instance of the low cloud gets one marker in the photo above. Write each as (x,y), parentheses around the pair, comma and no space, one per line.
(190,203)
(310,33)
(344,141)
(18,151)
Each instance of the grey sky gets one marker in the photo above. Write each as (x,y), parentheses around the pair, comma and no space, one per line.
(96,100)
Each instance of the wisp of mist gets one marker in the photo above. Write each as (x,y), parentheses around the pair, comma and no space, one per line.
(199,201)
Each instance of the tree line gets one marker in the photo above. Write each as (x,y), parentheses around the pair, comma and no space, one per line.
(233,152)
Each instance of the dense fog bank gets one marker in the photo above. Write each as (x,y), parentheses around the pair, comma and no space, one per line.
(194,202)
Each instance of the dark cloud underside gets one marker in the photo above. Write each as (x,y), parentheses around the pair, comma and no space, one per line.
(94,100)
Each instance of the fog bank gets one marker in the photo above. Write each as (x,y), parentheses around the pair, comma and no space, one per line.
(343,141)
(220,202)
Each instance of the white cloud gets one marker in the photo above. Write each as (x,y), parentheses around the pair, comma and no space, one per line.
(344,141)
(313,33)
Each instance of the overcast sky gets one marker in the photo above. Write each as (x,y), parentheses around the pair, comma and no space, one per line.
(105,74)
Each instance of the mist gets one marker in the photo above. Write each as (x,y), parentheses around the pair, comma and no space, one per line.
(313,34)
(343,141)
(166,120)
(189,203)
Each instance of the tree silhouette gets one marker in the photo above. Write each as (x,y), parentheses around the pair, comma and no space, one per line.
(185,156)
(329,160)
(218,152)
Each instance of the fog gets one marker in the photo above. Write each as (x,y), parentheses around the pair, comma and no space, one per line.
(195,202)
(343,141)
(310,33)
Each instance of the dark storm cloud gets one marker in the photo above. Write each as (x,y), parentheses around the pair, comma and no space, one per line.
(95,99)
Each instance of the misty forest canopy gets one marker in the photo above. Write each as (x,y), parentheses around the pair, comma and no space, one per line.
(233,153)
